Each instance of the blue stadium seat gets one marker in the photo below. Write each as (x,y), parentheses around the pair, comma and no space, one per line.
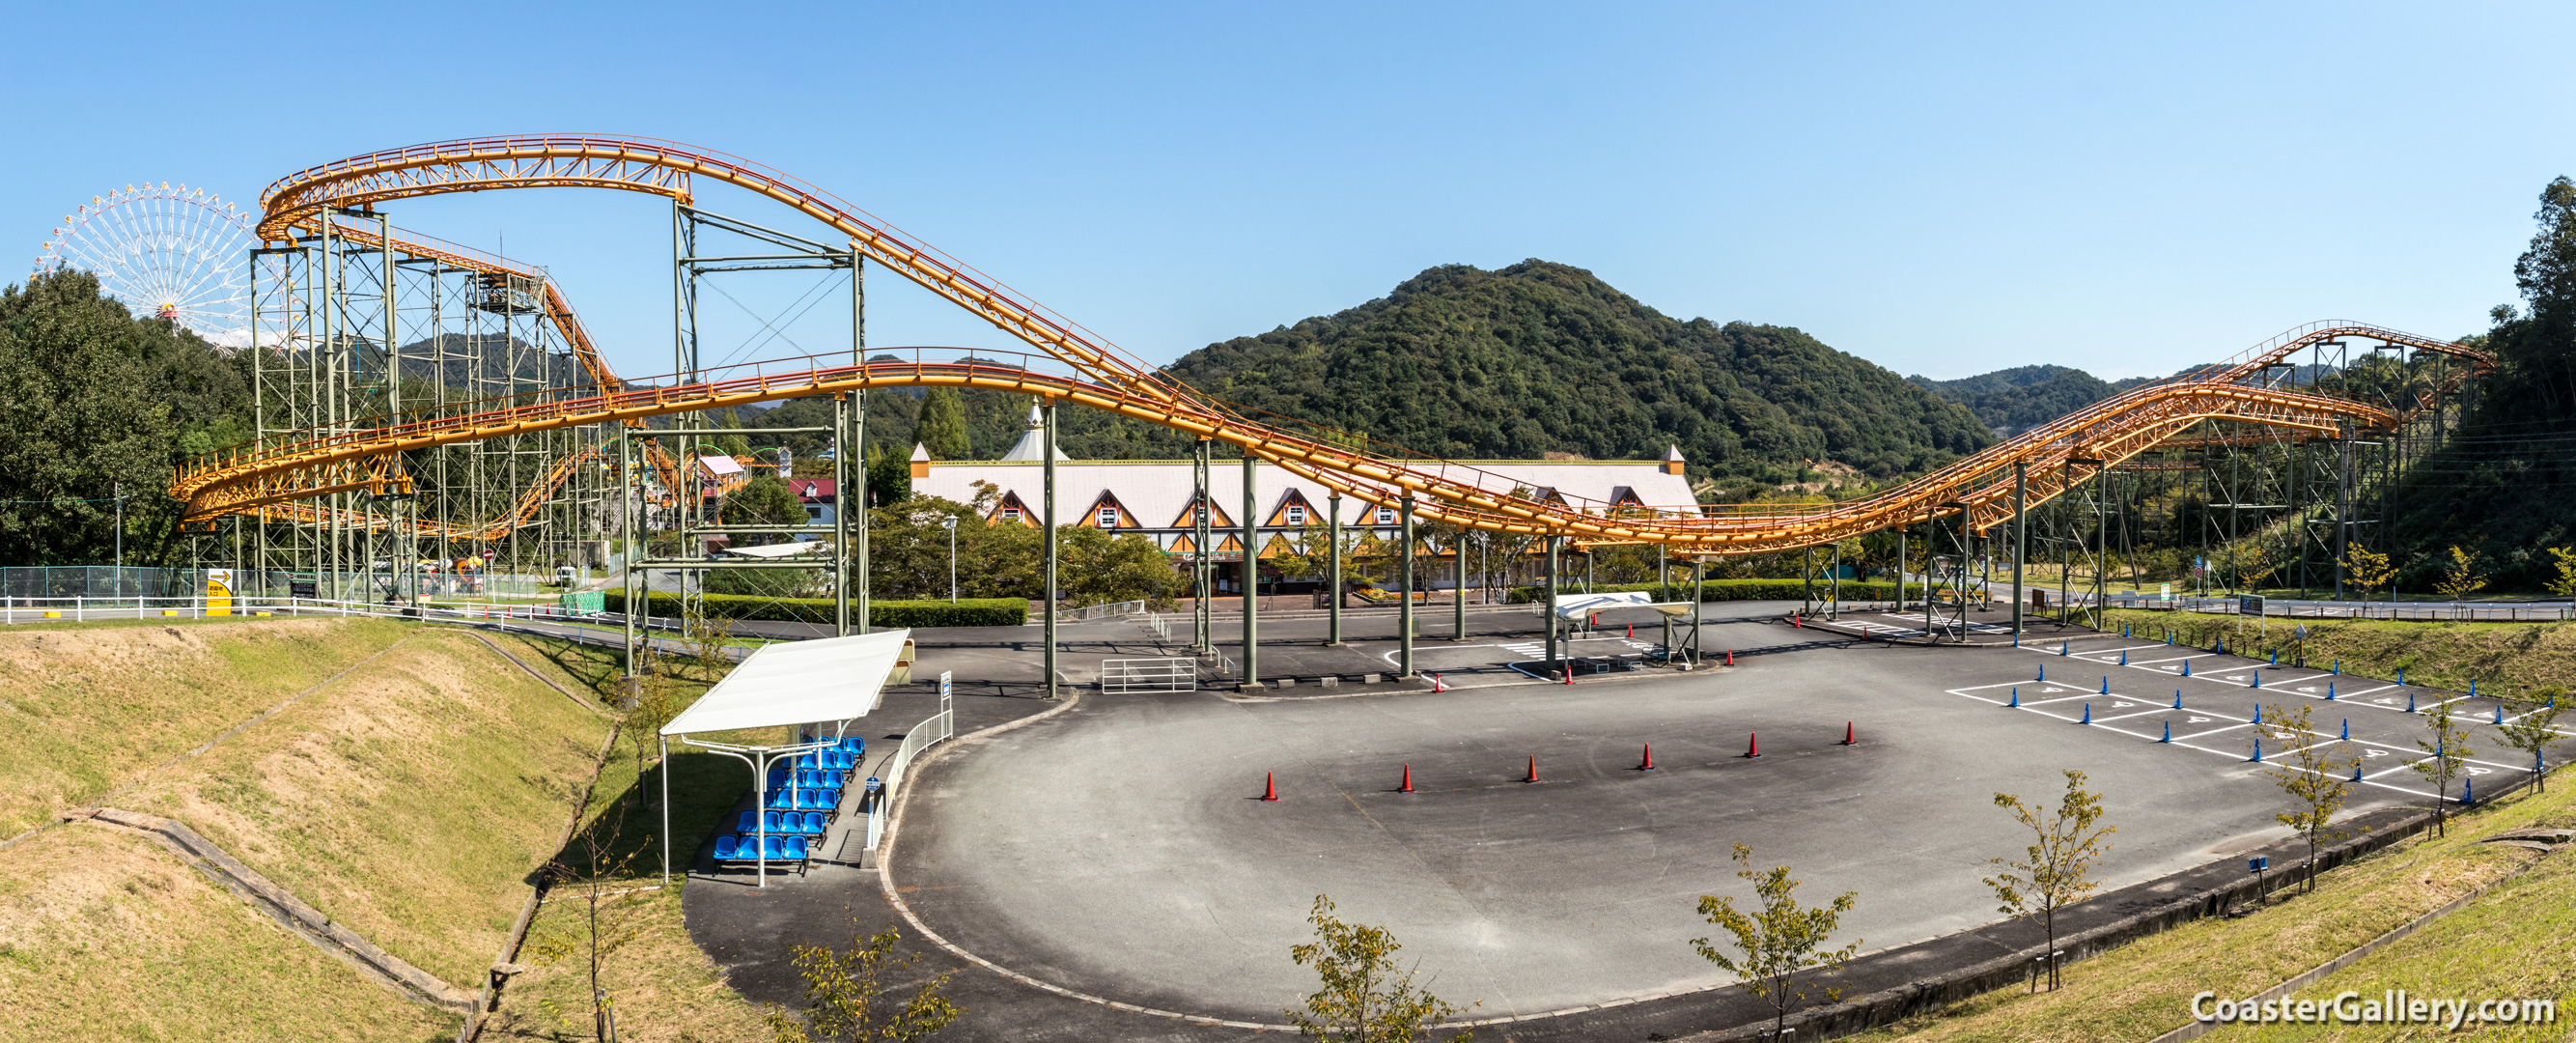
(772,847)
(749,822)
(805,760)
(773,821)
(813,799)
(725,847)
(782,798)
(795,849)
(816,823)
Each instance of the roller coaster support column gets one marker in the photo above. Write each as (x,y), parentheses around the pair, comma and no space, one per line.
(1203,568)
(631,487)
(1404,609)
(1834,585)
(1549,602)
(841,515)
(1931,533)
(2021,539)
(1458,594)
(1251,681)
(1046,518)
(858,470)
(1333,571)
(1699,600)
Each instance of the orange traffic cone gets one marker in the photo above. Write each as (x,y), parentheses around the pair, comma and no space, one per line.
(1408,780)
(1756,749)
(1269,787)
(1730,657)
(1849,737)
(1649,765)
(1533,769)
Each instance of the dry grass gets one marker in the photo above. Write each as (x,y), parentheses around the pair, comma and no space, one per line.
(2512,659)
(664,987)
(2144,989)
(106,935)
(87,708)
(410,800)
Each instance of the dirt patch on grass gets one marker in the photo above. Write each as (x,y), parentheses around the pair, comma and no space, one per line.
(85,710)
(107,935)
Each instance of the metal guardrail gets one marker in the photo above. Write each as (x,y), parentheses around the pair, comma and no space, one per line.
(494,615)
(1159,626)
(2300,608)
(1115,609)
(1149,675)
(936,728)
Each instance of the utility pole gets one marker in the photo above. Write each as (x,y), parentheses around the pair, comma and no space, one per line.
(2021,538)
(1333,570)
(1251,579)
(1046,511)
(1404,622)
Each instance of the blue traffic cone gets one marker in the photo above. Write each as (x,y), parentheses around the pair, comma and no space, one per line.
(2043,672)
(2124,630)
(2186,668)
(2258,680)
(2061,649)
(2088,714)
(2124,657)
(2499,713)
(2222,647)
(2401,675)
(2258,713)
(2016,699)
(2538,766)
(2410,702)
(2473,688)
(2106,684)
(2258,750)
(2356,771)
(2168,732)
(2338,667)
(2347,729)
(2467,795)
(2177,698)
(2276,657)
(2330,691)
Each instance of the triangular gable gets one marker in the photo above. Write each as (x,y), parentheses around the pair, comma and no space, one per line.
(1277,546)
(1216,519)
(1183,544)
(1307,514)
(1009,508)
(1230,545)
(1625,496)
(1108,500)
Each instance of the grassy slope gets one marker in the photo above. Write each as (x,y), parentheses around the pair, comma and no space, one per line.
(2513,659)
(409,800)
(90,707)
(107,935)
(2143,990)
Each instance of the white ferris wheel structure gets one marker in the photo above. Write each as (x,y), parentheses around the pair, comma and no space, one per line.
(173,252)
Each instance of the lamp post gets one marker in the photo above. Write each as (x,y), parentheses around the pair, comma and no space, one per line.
(950,524)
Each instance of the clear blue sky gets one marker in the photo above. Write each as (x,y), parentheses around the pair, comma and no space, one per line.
(1940,189)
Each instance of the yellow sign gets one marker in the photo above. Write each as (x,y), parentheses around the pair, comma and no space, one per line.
(219,592)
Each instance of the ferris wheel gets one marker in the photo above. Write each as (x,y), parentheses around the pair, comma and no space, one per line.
(178,253)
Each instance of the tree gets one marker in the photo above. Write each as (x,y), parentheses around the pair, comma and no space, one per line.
(2065,847)
(2461,578)
(2533,730)
(654,704)
(849,999)
(732,444)
(1097,568)
(2312,774)
(942,428)
(2368,570)
(607,921)
(2447,742)
(889,475)
(762,501)
(1365,998)
(1775,943)
(2563,559)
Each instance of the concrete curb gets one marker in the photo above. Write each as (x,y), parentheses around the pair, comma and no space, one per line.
(305,921)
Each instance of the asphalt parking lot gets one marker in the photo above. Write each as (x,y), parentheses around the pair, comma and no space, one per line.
(1121,850)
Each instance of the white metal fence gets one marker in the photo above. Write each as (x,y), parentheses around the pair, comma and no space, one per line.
(1149,675)
(1108,611)
(938,727)
(1160,627)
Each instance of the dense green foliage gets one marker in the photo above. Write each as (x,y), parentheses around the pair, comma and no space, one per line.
(1542,358)
(969,612)
(93,398)
(2500,490)
(2014,400)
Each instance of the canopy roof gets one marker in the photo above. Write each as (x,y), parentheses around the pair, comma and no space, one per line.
(797,682)
(790,549)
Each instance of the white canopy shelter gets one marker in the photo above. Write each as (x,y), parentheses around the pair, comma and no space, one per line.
(830,680)
(784,550)
(1576,606)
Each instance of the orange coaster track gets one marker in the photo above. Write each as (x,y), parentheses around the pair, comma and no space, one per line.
(2056,455)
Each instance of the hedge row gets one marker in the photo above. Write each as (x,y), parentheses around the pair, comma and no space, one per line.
(970,612)
(1740,590)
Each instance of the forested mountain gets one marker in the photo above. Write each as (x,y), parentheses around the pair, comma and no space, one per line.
(2010,401)
(1532,360)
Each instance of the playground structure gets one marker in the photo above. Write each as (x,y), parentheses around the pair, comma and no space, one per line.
(544,395)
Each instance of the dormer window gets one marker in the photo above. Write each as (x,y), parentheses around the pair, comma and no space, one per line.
(1010,514)
(1108,517)
(1296,515)
(1386,515)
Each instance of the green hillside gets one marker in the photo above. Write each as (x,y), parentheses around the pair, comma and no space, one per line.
(2013,400)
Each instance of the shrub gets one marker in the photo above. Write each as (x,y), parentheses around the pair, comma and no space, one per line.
(971,612)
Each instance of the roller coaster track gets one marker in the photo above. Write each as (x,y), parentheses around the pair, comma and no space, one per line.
(522,513)
(2053,456)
